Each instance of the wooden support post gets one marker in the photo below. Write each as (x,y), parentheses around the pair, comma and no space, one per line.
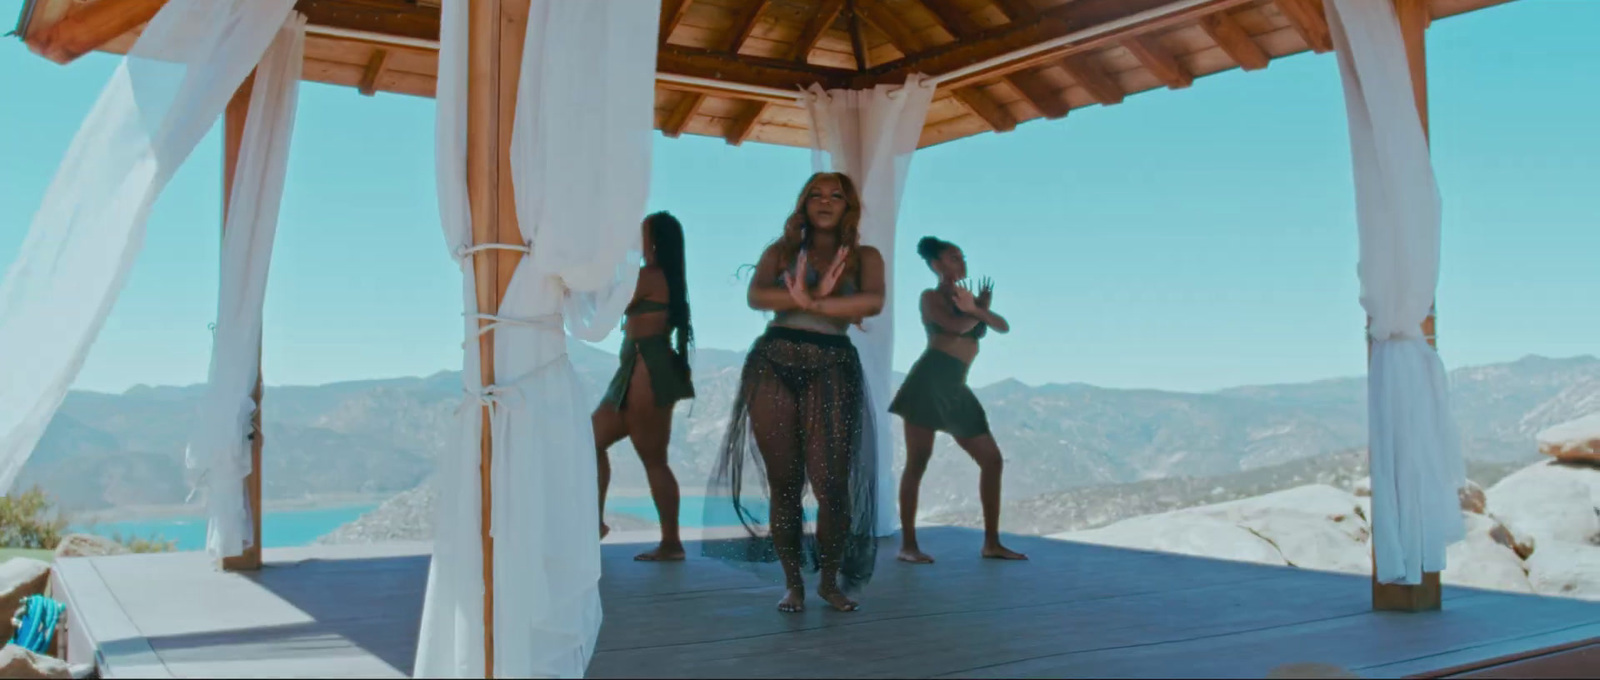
(495,32)
(1414,20)
(232,137)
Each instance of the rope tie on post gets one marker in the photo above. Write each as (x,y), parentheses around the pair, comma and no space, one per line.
(465,251)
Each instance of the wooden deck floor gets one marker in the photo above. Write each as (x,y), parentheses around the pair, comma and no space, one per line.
(1073,611)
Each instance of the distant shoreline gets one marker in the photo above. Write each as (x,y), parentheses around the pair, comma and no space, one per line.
(135,513)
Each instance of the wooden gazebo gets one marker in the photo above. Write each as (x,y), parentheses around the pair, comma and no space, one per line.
(735,69)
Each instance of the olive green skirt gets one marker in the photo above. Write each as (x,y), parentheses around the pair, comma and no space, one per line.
(935,396)
(668,380)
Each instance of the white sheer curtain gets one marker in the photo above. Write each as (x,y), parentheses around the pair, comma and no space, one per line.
(580,166)
(219,448)
(871,135)
(1415,454)
(450,644)
(161,100)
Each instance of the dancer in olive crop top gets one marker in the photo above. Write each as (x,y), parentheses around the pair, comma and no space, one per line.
(935,397)
(801,417)
(652,378)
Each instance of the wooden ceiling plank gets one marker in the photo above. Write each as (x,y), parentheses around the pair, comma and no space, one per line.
(1235,41)
(1159,61)
(892,27)
(954,21)
(86,27)
(1017,10)
(744,24)
(745,125)
(1092,79)
(1053,23)
(369,79)
(1047,100)
(827,12)
(672,14)
(748,70)
(393,17)
(985,107)
(682,114)
(1307,19)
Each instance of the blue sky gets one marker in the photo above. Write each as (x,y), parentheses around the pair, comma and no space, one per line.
(1187,240)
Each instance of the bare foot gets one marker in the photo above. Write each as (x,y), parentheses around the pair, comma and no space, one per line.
(1000,552)
(914,556)
(662,553)
(604,529)
(837,599)
(794,601)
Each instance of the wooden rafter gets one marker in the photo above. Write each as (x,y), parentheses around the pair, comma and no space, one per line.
(386,17)
(1017,10)
(743,25)
(827,13)
(87,27)
(1234,40)
(1133,17)
(1048,101)
(892,27)
(954,21)
(1092,79)
(858,46)
(672,13)
(682,114)
(1159,61)
(1308,19)
(749,70)
(745,124)
(369,78)
(985,107)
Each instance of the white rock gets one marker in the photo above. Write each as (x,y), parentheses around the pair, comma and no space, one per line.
(1362,487)
(16,662)
(1566,570)
(1550,501)
(19,578)
(1473,498)
(87,545)
(1574,440)
(1481,561)
(1183,534)
(1319,543)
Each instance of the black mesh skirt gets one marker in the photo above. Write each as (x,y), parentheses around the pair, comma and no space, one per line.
(801,421)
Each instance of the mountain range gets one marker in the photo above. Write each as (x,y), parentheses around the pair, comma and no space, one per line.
(383,436)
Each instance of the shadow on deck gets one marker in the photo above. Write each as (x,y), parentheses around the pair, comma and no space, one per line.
(1074,610)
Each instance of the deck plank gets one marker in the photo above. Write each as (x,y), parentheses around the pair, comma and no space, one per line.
(1073,610)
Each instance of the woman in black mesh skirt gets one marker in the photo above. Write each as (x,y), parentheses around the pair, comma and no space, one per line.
(801,417)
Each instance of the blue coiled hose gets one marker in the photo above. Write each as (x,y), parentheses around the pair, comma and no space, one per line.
(38,624)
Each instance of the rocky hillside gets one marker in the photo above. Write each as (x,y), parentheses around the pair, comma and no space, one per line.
(383,436)
(1535,531)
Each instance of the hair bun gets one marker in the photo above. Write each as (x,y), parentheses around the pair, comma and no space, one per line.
(929,248)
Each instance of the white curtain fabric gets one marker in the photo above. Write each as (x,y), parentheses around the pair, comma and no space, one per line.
(581,147)
(219,448)
(450,644)
(158,104)
(871,135)
(1415,453)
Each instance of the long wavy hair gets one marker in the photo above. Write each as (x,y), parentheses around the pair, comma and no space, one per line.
(793,240)
(666,233)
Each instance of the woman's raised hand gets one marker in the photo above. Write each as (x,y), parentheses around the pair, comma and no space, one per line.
(963,299)
(795,281)
(831,279)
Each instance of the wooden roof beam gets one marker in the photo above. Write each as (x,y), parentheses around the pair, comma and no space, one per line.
(1308,19)
(405,20)
(1048,101)
(886,21)
(86,27)
(672,14)
(744,24)
(827,12)
(1130,17)
(954,21)
(369,79)
(1234,40)
(1017,10)
(745,124)
(985,107)
(1092,79)
(684,112)
(1159,61)
(779,74)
